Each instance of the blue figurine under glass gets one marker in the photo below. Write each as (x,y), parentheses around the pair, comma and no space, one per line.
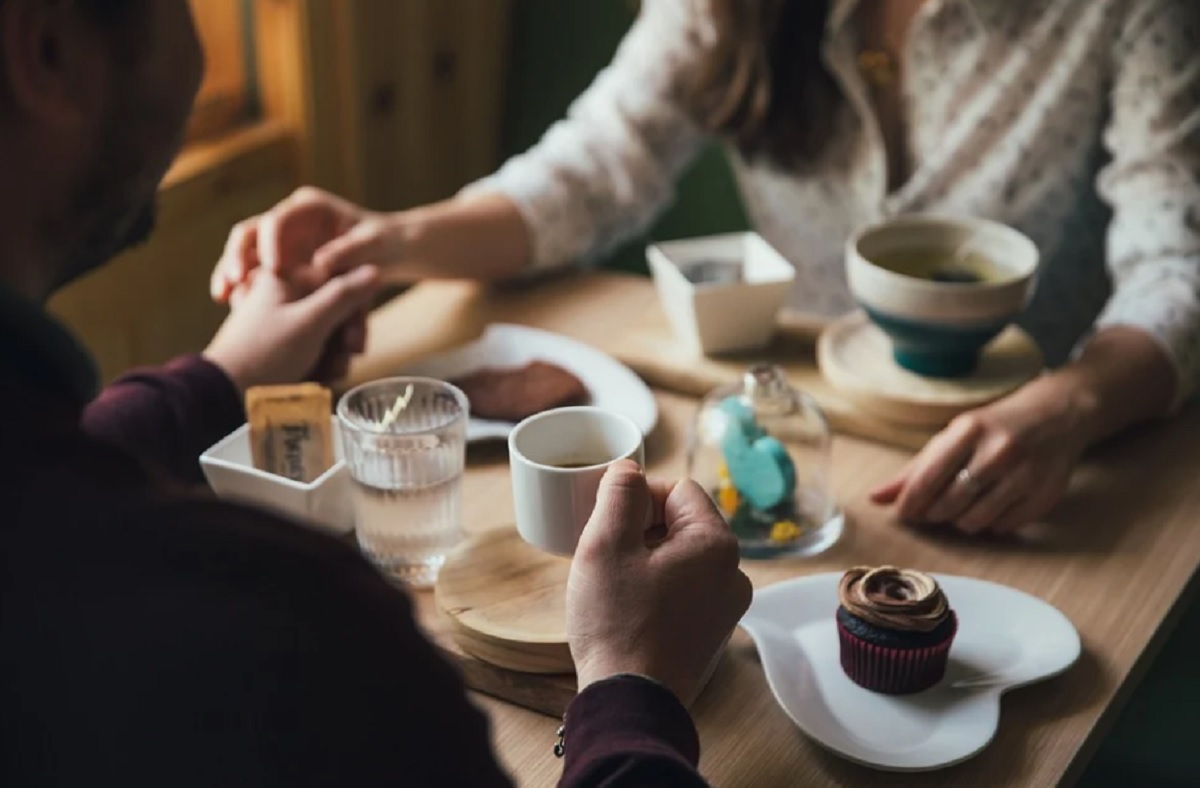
(761,448)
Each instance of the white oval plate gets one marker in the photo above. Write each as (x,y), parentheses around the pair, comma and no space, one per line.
(1006,638)
(610,384)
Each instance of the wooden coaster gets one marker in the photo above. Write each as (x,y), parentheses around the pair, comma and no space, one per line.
(506,602)
(855,357)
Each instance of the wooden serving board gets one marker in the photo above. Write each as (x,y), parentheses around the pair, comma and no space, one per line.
(650,349)
(502,606)
(545,693)
(507,602)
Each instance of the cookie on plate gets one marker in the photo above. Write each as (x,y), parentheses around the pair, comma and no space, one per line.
(515,393)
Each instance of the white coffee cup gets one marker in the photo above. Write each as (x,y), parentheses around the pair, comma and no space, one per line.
(558,458)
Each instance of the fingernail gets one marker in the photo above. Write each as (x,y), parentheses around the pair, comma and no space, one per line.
(625,463)
(363,275)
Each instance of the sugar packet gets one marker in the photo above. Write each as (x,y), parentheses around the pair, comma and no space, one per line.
(290,431)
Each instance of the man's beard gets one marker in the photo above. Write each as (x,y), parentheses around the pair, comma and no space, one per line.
(114,207)
(112,238)
(107,221)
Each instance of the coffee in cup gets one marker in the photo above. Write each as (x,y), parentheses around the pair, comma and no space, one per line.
(558,458)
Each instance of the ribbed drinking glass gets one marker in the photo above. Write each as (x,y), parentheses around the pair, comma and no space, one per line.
(404,441)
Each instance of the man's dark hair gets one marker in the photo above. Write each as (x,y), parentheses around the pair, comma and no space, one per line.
(107,11)
(104,10)
(104,13)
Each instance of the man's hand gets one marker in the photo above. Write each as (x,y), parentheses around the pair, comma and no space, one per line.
(655,587)
(280,332)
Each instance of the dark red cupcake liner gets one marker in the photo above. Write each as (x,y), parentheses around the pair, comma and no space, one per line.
(894,671)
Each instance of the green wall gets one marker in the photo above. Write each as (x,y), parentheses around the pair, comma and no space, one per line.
(558,47)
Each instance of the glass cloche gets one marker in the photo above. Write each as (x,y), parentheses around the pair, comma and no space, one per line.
(762,450)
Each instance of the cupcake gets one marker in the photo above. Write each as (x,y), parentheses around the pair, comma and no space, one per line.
(895,628)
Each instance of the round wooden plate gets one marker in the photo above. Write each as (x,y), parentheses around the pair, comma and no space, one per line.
(506,602)
(855,357)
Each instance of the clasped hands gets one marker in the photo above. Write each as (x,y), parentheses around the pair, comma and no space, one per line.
(295,315)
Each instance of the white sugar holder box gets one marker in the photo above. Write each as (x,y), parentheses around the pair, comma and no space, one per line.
(323,504)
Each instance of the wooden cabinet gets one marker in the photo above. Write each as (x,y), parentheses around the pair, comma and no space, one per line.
(397,102)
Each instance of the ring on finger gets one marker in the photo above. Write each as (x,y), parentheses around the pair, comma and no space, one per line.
(993,504)
(969,482)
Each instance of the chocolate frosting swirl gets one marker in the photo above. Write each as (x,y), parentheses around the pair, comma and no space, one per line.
(899,599)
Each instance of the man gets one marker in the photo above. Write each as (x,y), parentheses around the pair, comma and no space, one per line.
(150,637)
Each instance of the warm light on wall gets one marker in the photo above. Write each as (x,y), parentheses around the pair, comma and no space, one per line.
(223,101)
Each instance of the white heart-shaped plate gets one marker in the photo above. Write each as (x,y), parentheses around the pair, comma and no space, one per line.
(1006,638)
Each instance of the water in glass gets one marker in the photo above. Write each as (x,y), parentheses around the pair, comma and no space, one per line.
(407,466)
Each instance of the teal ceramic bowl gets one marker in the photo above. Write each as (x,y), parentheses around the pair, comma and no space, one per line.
(939,326)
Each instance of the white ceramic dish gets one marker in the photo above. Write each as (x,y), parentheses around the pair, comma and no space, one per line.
(1006,639)
(323,503)
(611,385)
(722,318)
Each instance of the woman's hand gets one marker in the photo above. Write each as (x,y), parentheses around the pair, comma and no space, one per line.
(999,467)
(1005,465)
(307,238)
(313,235)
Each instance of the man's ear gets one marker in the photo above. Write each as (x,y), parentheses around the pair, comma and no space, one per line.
(46,49)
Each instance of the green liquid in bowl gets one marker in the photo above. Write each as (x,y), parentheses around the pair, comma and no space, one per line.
(941,265)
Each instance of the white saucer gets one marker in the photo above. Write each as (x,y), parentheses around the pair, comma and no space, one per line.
(610,384)
(1006,638)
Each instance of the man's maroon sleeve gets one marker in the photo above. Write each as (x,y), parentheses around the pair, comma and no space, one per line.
(167,416)
(629,731)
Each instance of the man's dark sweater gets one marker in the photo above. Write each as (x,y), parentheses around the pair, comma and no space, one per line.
(151,637)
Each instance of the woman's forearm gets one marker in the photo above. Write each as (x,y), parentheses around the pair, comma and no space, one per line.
(1122,377)
(481,236)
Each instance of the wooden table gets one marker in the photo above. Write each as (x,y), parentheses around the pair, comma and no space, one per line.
(1117,557)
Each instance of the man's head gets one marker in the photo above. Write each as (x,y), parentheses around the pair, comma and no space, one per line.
(94,97)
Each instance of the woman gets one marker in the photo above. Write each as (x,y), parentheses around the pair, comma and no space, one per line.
(1075,121)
